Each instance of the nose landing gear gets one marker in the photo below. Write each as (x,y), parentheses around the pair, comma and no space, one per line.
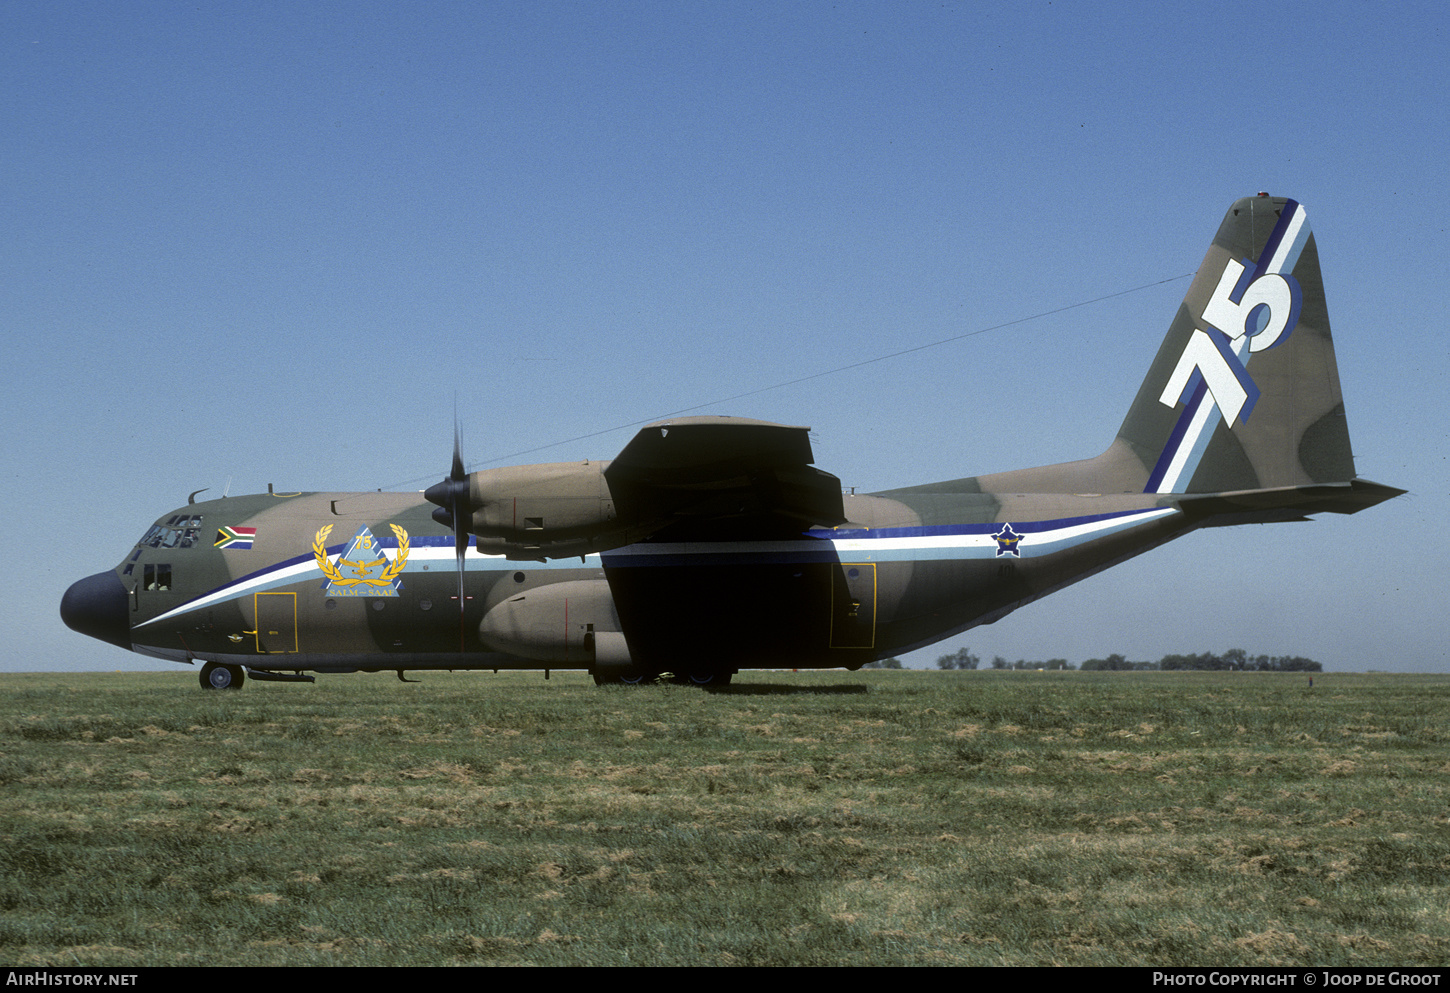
(214,676)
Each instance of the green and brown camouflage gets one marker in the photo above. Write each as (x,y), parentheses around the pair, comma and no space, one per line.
(711,544)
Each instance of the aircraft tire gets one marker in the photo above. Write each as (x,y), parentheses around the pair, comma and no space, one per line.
(221,677)
(628,677)
(708,678)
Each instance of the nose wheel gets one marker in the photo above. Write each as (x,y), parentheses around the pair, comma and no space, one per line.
(214,676)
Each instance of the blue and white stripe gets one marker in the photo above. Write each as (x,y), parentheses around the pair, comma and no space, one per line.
(906,544)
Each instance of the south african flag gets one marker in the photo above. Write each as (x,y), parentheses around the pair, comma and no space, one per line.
(237,538)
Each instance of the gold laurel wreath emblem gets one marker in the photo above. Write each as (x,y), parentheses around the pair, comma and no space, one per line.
(319,551)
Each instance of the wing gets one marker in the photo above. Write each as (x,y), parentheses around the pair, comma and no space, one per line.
(721,478)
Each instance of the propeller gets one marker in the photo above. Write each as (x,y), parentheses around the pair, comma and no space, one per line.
(454,511)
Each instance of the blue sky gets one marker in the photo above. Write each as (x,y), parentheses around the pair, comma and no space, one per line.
(272,242)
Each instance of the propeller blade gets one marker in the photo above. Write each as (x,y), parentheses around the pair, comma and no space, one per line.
(459,472)
(454,510)
(458,490)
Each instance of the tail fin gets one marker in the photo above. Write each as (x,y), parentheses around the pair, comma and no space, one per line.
(1244,393)
(1241,409)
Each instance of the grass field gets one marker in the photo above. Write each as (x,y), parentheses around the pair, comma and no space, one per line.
(872,818)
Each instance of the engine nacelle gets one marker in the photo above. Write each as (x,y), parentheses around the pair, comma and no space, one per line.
(571,623)
(559,498)
(538,512)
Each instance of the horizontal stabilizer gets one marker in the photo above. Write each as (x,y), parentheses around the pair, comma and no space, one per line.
(1295,501)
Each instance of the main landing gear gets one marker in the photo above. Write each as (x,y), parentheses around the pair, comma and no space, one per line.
(634,676)
(705,677)
(222,677)
(631,676)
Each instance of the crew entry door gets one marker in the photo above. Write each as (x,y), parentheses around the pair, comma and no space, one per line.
(276,615)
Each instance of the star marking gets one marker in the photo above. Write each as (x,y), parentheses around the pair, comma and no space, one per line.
(1007,540)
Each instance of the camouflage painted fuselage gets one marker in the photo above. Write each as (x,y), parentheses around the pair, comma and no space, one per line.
(893,579)
(694,551)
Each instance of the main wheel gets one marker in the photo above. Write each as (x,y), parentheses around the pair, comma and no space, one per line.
(708,677)
(633,676)
(222,677)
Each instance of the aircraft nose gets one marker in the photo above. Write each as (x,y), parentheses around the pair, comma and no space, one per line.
(97,606)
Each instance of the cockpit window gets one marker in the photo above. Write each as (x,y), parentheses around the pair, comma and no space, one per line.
(181,531)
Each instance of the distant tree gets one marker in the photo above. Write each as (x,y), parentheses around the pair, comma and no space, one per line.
(1038,666)
(998,662)
(891,663)
(1113,663)
(962,658)
(1205,660)
(1238,660)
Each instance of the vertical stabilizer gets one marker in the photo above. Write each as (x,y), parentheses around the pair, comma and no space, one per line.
(1244,393)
